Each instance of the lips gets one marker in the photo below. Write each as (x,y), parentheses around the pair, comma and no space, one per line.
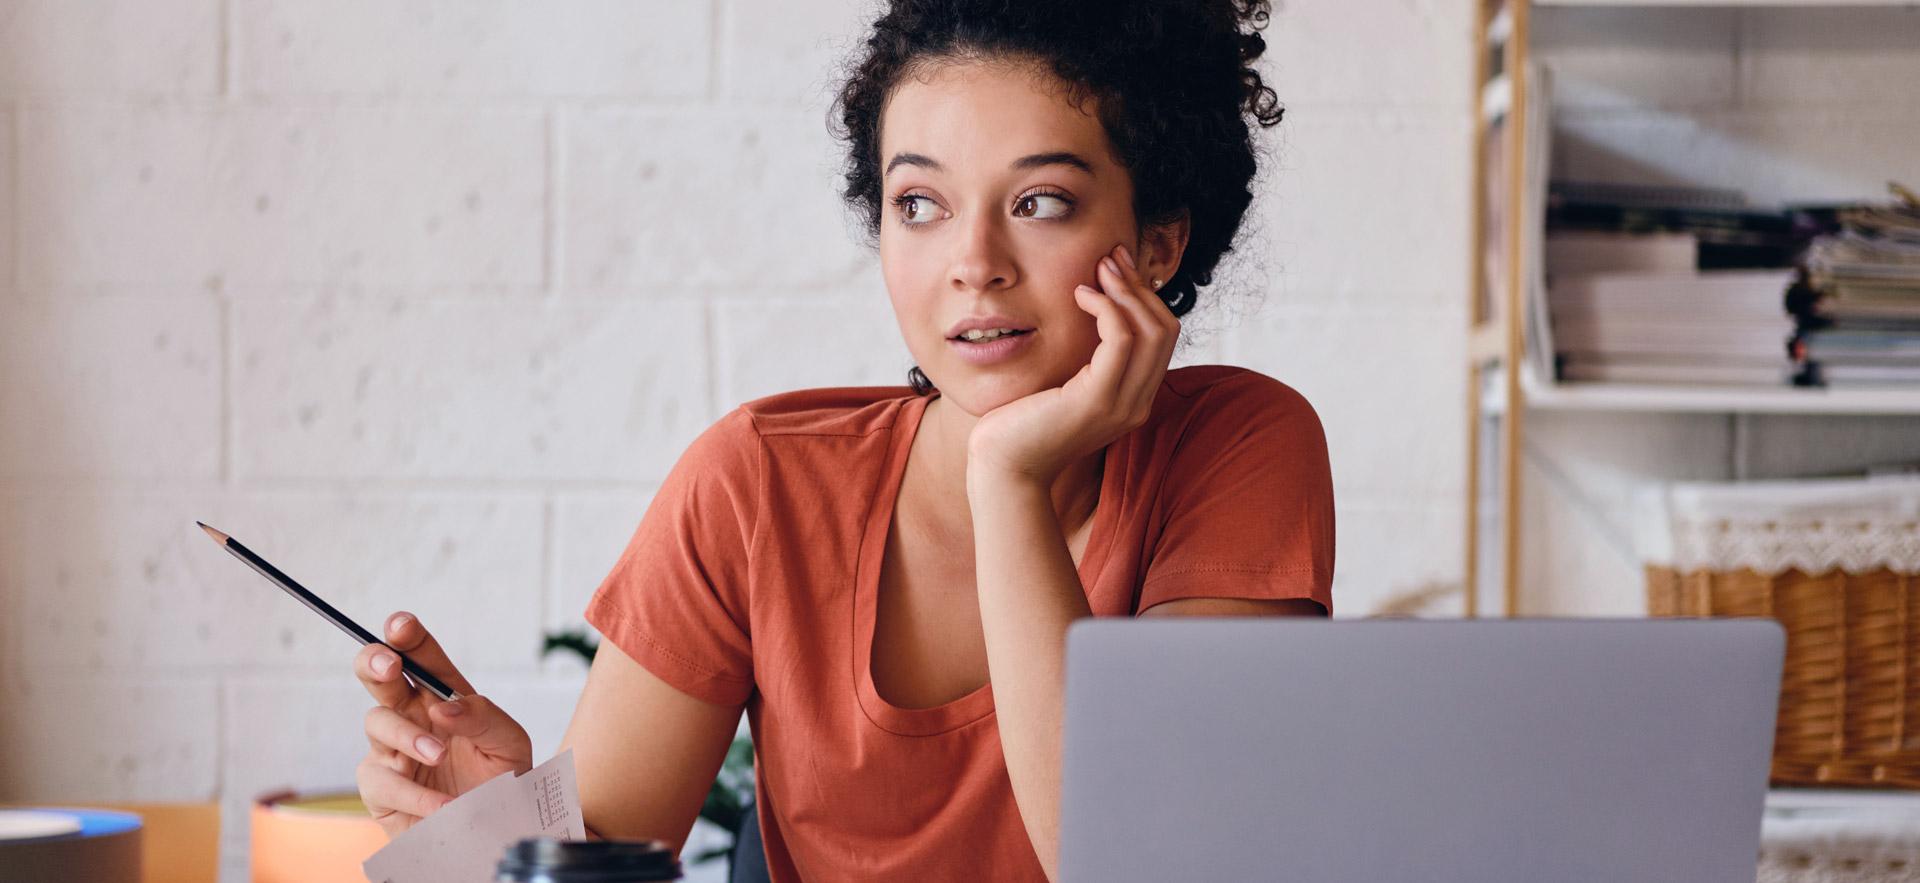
(993,352)
(986,323)
(1003,335)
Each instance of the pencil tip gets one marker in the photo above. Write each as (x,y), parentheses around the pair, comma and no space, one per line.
(218,537)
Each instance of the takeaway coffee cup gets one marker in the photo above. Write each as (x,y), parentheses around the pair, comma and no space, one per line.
(547,860)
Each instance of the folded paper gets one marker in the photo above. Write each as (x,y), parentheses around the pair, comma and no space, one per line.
(465,839)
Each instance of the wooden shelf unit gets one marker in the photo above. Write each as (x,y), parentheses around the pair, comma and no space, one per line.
(1499,381)
(1494,331)
(1730,4)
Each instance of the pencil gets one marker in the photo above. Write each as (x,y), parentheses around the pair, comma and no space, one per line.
(420,675)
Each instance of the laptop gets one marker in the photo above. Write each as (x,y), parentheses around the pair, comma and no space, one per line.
(1417,750)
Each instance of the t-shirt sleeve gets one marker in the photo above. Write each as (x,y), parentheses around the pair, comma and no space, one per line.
(677,600)
(1247,502)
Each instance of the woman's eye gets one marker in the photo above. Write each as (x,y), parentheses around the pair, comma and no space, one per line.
(1026,207)
(906,207)
(1035,199)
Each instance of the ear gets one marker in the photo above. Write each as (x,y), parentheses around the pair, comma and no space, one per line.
(1161,248)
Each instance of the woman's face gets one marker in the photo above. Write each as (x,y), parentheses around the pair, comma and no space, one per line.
(998,197)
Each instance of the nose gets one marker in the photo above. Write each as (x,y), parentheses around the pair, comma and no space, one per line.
(982,260)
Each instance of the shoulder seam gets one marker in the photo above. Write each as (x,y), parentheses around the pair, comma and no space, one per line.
(759,509)
(1235,371)
(764,433)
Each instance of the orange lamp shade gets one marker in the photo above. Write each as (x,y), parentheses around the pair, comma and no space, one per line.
(312,838)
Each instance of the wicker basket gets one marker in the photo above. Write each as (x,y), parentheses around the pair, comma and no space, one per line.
(1850,690)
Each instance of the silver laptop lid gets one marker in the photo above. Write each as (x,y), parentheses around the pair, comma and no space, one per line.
(1417,750)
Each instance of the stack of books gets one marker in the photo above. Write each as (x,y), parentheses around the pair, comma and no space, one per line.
(1667,285)
(1858,303)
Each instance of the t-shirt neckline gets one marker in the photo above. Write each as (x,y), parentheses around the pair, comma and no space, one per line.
(979,703)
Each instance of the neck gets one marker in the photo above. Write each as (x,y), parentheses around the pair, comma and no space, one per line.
(946,427)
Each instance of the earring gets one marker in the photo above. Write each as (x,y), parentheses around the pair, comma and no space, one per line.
(1156,283)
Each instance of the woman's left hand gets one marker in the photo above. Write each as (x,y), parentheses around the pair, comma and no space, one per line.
(1035,437)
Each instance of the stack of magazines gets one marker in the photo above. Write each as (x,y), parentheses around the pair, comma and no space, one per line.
(1668,285)
(1858,303)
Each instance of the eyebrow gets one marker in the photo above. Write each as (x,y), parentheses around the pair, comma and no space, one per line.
(1031,161)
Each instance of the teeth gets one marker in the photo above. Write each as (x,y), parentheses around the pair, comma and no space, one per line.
(987,334)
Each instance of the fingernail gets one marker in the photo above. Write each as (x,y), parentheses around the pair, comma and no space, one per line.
(1111,266)
(1087,289)
(1126,258)
(453,709)
(399,622)
(382,663)
(428,747)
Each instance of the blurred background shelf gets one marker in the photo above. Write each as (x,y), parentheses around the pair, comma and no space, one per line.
(1666,398)
(1728,4)
(1787,103)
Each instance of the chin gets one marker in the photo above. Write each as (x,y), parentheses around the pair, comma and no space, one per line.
(978,394)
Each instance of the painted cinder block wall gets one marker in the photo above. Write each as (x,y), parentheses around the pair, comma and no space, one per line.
(423,298)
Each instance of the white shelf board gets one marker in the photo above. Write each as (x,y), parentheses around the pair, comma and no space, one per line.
(1738,4)
(1705,399)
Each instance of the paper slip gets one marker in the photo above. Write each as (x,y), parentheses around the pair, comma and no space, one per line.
(465,839)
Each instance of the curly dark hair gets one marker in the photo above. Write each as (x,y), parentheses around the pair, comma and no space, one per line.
(1173,81)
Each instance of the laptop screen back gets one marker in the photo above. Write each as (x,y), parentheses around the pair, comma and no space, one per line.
(1417,750)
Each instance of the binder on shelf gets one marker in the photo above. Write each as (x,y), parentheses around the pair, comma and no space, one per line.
(1579,252)
(1680,297)
(1857,308)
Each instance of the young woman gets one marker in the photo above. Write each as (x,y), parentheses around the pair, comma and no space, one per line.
(882,577)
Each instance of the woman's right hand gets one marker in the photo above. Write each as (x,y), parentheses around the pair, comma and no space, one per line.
(424,752)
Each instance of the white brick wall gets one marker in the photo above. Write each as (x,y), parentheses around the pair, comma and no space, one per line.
(468,388)
(110,48)
(740,199)
(69,365)
(242,195)
(73,737)
(589,529)
(488,49)
(422,298)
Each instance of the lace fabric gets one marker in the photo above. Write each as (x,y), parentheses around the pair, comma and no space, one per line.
(1771,527)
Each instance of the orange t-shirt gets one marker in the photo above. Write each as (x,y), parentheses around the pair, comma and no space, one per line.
(752,578)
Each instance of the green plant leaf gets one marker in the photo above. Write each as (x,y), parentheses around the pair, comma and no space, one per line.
(574,640)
